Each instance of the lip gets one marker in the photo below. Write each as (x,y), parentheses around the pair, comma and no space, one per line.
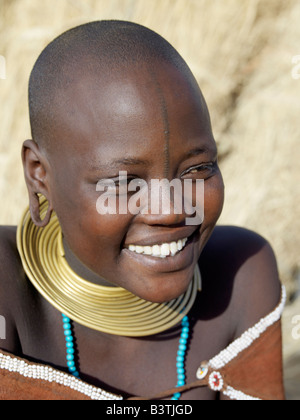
(179,262)
(164,238)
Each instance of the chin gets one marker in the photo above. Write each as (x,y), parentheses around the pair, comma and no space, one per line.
(164,288)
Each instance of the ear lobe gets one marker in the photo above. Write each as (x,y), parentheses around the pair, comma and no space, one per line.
(35,172)
(34,169)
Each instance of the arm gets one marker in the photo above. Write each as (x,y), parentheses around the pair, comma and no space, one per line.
(256,293)
(257,289)
(9,272)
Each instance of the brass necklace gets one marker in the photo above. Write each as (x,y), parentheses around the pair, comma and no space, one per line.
(112,310)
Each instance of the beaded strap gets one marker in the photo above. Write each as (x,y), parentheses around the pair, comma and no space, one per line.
(48,374)
(246,339)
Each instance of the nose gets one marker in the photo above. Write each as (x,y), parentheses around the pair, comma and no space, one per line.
(165,203)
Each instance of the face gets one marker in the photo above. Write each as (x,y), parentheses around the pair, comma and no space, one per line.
(153,124)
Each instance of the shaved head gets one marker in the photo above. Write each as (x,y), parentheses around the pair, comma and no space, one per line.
(101,49)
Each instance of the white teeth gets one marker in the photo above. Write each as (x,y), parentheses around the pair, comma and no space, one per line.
(160,251)
(147,250)
(180,244)
(139,249)
(173,248)
(156,250)
(165,249)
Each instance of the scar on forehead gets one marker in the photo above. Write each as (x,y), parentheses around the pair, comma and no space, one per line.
(166,124)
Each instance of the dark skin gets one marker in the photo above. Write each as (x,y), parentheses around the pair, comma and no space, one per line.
(156,119)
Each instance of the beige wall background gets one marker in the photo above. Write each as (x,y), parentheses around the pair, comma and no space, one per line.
(245,56)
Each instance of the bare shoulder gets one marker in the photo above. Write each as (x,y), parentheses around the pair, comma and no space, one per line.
(10,294)
(241,266)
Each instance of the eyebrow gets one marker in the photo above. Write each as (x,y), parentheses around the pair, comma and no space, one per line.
(123,162)
(200,151)
(129,161)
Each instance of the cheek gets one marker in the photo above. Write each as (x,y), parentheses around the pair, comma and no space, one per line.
(97,241)
(75,204)
(213,199)
(91,236)
(92,229)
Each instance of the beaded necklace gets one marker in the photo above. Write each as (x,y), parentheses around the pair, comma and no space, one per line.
(180,360)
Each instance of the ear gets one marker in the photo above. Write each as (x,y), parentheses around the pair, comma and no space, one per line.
(36,172)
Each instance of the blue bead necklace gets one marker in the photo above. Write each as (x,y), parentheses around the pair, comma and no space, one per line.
(70,349)
(180,360)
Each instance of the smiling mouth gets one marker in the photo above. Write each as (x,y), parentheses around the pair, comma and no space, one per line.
(160,251)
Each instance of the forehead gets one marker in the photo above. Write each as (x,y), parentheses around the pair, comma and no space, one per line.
(126,110)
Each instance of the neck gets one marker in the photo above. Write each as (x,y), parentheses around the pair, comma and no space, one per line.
(81,270)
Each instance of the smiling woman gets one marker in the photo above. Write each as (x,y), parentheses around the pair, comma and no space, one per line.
(109,98)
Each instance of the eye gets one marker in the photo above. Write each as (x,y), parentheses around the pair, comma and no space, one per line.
(121,185)
(202,170)
(128,185)
(113,185)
